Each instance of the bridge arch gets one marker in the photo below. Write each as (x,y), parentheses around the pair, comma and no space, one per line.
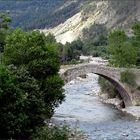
(111,74)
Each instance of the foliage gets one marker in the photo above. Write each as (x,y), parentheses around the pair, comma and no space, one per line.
(34,14)
(74,49)
(128,78)
(2,39)
(99,51)
(51,133)
(21,104)
(95,41)
(73,62)
(30,85)
(31,49)
(70,51)
(136,29)
(87,8)
(108,88)
(96,34)
(50,38)
(4,22)
(123,52)
(138,88)
(136,40)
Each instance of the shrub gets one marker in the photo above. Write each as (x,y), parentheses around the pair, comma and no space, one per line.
(21,106)
(138,88)
(51,133)
(128,78)
(124,54)
(107,87)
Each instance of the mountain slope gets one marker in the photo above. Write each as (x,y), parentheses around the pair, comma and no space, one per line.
(112,14)
(67,19)
(31,14)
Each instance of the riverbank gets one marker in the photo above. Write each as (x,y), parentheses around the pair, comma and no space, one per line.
(133,111)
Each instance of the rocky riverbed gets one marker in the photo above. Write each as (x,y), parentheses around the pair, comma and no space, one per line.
(84,109)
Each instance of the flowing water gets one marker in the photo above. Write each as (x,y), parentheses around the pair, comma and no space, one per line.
(99,121)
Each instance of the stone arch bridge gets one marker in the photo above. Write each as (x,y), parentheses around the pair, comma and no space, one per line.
(129,94)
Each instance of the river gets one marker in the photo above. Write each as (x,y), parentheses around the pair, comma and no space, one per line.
(99,121)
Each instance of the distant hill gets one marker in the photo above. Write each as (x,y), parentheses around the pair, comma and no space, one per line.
(31,14)
(67,19)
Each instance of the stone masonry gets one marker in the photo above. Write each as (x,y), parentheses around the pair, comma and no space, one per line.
(130,96)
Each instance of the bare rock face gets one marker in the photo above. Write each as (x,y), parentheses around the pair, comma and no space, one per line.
(113,14)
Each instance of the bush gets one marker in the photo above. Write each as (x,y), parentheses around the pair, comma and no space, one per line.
(108,88)
(138,88)
(51,133)
(124,50)
(128,78)
(21,105)
(4,29)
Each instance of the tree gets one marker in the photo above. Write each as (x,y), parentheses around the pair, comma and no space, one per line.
(74,49)
(50,38)
(108,88)
(136,39)
(4,21)
(93,39)
(122,51)
(4,26)
(30,86)
(21,104)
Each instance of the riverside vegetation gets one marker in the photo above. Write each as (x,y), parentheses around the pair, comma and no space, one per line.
(124,52)
(30,87)
(120,49)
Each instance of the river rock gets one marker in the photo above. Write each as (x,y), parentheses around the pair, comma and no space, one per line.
(72,82)
(79,79)
(126,135)
(83,76)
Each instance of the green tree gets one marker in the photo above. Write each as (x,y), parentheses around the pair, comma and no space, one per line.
(122,51)
(63,52)
(108,88)
(94,39)
(136,39)
(22,107)
(52,133)
(50,38)
(32,88)
(4,26)
(74,50)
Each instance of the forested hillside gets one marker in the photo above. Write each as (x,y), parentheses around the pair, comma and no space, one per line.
(31,14)
(40,14)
